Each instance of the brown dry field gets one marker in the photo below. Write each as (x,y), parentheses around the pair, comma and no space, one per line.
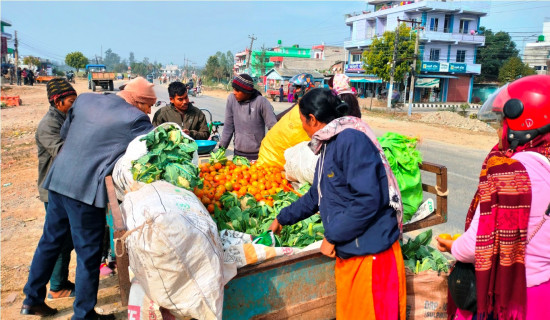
(23,213)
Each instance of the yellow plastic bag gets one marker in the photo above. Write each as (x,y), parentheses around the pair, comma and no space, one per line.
(286,133)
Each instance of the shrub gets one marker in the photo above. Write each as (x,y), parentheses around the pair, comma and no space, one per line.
(464,106)
(473,116)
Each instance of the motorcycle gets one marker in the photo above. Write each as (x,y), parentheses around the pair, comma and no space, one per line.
(71,77)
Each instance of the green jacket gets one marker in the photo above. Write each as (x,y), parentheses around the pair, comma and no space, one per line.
(193,120)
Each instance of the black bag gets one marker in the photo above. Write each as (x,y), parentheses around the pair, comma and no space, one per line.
(462,286)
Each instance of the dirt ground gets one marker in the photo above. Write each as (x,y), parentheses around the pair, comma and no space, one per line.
(23,213)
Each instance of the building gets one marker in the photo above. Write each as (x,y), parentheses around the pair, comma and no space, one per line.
(448,41)
(319,58)
(537,54)
(5,37)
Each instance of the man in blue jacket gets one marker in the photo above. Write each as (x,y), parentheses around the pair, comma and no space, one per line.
(97,132)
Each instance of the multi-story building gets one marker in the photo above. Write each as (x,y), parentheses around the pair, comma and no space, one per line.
(448,41)
(5,37)
(537,54)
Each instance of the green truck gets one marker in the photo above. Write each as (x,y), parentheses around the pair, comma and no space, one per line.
(98,76)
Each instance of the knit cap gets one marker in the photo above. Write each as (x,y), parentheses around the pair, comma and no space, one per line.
(341,84)
(139,90)
(59,88)
(243,83)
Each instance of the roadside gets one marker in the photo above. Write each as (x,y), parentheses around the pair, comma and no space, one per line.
(23,213)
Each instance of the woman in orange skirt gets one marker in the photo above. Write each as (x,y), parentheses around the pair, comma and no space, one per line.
(358,197)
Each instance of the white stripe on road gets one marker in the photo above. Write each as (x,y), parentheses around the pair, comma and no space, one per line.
(461,176)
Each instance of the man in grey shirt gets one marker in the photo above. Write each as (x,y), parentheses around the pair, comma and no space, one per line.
(247,114)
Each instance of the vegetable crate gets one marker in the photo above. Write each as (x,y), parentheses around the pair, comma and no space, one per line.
(299,287)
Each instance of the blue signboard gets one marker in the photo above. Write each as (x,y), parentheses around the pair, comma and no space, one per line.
(430,66)
(457,67)
(355,67)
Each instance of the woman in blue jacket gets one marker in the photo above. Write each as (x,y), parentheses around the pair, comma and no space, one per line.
(358,199)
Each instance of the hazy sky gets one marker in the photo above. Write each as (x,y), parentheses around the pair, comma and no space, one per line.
(169,32)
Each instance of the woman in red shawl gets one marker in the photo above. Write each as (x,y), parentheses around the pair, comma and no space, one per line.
(506,236)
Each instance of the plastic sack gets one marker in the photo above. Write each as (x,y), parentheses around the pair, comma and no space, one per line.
(300,163)
(286,133)
(404,160)
(140,307)
(122,172)
(426,295)
(240,249)
(175,250)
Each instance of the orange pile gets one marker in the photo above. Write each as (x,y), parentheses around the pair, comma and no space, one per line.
(259,181)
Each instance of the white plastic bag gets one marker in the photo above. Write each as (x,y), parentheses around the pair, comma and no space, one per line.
(300,163)
(122,173)
(175,250)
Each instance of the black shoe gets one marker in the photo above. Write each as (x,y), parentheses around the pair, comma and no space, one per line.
(39,310)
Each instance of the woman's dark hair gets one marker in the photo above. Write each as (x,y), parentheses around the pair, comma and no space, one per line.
(324,104)
(353,104)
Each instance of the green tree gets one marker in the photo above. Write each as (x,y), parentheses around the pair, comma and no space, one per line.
(211,70)
(139,68)
(31,61)
(512,69)
(377,59)
(111,59)
(131,59)
(76,60)
(498,49)
(259,61)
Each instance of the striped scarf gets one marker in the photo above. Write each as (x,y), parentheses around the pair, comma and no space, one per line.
(504,198)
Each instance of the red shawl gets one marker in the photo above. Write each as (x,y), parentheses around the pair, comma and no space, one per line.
(504,198)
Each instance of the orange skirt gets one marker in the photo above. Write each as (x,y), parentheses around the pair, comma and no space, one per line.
(371,287)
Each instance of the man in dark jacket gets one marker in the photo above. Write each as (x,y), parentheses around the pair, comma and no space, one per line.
(97,132)
(61,96)
(191,119)
(247,114)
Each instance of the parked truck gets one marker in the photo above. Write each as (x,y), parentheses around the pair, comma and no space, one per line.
(98,76)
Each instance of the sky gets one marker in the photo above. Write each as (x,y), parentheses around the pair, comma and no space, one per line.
(189,32)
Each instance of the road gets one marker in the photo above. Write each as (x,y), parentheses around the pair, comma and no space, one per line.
(463,164)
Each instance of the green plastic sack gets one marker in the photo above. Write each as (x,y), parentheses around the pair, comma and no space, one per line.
(404,159)
(267,238)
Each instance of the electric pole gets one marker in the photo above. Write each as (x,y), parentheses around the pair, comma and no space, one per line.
(252,38)
(394,58)
(16,44)
(413,72)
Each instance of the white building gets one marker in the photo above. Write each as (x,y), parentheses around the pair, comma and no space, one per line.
(537,54)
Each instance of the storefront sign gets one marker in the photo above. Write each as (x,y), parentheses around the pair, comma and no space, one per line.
(355,67)
(427,82)
(457,67)
(430,66)
(444,67)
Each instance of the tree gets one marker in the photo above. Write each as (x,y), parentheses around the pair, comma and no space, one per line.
(498,48)
(512,69)
(31,61)
(260,61)
(211,70)
(131,59)
(76,60)
(111,59)
(139,68)
(377,59)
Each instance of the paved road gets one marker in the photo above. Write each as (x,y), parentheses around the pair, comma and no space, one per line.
(463,164)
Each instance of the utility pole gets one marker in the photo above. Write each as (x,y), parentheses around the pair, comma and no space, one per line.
(252,38)
(16,44)
(413,72)
(394,59)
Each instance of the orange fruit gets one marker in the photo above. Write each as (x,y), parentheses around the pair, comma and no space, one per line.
(445,236)
(210,208)
(456,235)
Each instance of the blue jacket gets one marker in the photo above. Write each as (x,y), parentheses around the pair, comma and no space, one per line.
(354,202)
(97,132)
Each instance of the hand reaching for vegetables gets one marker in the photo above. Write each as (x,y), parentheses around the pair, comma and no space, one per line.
(444,245)
(186,131)
(276,227)
(327,249)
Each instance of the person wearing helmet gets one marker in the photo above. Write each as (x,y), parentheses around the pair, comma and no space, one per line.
(302,83)
(506,236)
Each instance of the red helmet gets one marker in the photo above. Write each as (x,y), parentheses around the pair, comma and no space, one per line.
(525,106)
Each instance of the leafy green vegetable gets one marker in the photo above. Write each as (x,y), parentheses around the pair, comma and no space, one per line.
(241,161)
(218,156)
(419,256)
(169,157)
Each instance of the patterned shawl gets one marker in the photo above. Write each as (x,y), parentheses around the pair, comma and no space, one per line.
(504,198)
(340,124)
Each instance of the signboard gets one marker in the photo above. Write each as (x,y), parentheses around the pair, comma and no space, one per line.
(457,67)
(355,67)
(426,82)
(430,66)
(444,67)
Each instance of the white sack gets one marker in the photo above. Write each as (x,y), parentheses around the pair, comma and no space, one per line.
(122,173)
(300,163)
(175,250)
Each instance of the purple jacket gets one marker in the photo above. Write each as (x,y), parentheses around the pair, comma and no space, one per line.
(247,121)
